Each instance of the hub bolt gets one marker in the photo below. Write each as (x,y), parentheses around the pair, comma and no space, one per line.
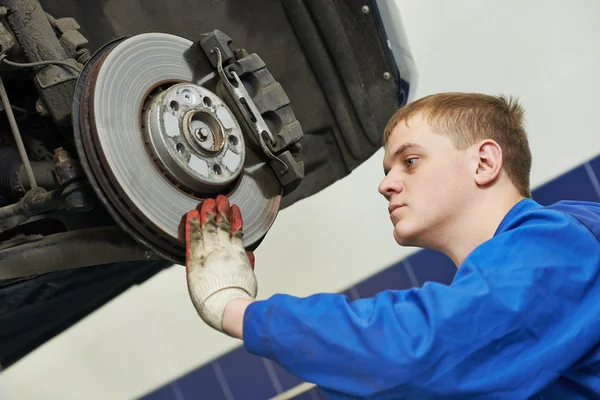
(202,134)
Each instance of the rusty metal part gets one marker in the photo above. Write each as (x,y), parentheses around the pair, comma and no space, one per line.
(10,163)
(72,40)
(36,201)
(36,37)
(7,41)
(14,182)
(10,211)
(66,169)
(77,193)
(69,250)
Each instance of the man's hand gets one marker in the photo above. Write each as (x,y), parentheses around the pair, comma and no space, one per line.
(219,269)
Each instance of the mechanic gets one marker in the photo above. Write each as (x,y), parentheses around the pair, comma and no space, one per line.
(520,317)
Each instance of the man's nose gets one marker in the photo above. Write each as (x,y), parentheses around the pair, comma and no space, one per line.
(389,186)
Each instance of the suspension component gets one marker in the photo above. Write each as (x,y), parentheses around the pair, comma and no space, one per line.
(36,201)
(76,192)
(66,169)
(36,37)
(16,134)
(14,182)
(10,163)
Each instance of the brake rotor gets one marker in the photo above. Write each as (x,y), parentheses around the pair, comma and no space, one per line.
(155,140)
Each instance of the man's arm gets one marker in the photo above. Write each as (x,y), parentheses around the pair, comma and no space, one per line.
(233,317)
(521,310)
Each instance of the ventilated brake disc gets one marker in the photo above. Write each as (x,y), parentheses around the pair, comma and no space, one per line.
(155,140)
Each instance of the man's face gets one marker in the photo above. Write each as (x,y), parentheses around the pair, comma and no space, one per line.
(428,182)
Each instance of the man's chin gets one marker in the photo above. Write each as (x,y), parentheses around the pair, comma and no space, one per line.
(402,238)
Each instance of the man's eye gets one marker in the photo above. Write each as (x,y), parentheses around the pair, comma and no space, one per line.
(411,161)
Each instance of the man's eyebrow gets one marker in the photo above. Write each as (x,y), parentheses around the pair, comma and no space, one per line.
(407,146)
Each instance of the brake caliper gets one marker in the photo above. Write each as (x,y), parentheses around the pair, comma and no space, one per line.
(261,106)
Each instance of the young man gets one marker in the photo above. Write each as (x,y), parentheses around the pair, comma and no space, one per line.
(521,317)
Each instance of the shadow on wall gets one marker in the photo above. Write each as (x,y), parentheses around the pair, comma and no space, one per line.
(260,379)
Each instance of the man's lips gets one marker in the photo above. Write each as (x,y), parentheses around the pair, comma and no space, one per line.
(392,207)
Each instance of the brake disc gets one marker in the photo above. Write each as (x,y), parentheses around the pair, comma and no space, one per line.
(155,140)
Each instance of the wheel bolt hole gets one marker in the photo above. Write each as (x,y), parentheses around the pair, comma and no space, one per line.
(233,140)
(207,101)
(180,148)
(174,106)
(217,169)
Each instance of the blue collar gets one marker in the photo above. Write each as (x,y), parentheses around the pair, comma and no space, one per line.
(518,209)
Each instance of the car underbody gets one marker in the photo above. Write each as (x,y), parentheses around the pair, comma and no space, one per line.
(117,117)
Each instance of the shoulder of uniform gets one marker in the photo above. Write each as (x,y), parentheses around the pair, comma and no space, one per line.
(565,233)
(565,217)
(586,213)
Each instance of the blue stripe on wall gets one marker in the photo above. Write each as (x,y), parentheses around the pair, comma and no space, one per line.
(239,375)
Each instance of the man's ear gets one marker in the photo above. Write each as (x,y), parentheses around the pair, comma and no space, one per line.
(489,162)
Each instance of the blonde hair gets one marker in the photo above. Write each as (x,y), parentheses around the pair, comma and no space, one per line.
(470,117)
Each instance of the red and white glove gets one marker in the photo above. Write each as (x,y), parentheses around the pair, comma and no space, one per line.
(219,269)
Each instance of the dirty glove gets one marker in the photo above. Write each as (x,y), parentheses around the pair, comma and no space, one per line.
(219,269)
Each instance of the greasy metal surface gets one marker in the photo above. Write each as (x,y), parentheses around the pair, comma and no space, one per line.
(72,40)
(39,200)
(36,201)
(44,176)
(53,75)
(68,250)
(7,41)
(66,168)
(78,197)
(38,41)
(9,211)
(10,163)
(194,138)
(34,33)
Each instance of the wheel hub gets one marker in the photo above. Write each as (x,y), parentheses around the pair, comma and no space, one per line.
(194,138)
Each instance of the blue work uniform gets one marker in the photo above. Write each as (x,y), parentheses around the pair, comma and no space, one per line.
(520,320)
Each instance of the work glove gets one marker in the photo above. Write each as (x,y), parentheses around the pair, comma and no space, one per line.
(219,269)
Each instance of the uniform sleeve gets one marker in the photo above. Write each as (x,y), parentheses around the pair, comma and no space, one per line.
(521,310)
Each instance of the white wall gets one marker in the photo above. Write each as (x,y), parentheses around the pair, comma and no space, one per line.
(545,51)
